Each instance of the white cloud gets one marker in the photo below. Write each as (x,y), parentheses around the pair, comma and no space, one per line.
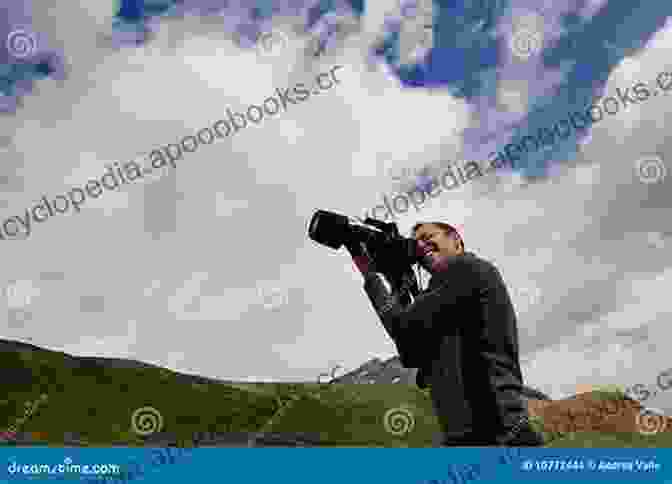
(236,212)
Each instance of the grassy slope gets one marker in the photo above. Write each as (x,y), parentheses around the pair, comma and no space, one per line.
(97,402)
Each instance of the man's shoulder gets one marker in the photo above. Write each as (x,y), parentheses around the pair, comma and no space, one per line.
(467,265)
(479,268)
(476,262)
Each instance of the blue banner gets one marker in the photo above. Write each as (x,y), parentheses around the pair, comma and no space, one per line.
(334,465)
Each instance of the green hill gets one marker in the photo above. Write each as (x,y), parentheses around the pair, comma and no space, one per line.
(95,399)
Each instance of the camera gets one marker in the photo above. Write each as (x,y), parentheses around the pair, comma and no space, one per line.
(393,254)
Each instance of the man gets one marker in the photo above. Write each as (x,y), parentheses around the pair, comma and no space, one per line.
(461,333)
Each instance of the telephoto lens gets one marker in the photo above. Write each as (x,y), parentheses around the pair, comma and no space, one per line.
(329,228)
(393,254)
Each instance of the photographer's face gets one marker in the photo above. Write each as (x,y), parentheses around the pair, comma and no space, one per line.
(436,246)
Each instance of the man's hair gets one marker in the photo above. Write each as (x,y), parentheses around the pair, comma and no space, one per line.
(447,229)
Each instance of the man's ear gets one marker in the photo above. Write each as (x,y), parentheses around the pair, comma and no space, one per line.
(457,241)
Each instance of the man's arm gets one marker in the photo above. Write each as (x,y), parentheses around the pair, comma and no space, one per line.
(415,327)
(385,294)
(387,302)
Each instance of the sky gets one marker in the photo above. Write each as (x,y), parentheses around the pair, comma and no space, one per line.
(207,268)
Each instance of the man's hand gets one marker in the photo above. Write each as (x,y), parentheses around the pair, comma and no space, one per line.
(361,257)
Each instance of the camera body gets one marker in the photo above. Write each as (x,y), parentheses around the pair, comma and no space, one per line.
(393,254)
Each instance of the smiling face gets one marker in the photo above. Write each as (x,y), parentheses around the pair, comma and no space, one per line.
(437,245)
